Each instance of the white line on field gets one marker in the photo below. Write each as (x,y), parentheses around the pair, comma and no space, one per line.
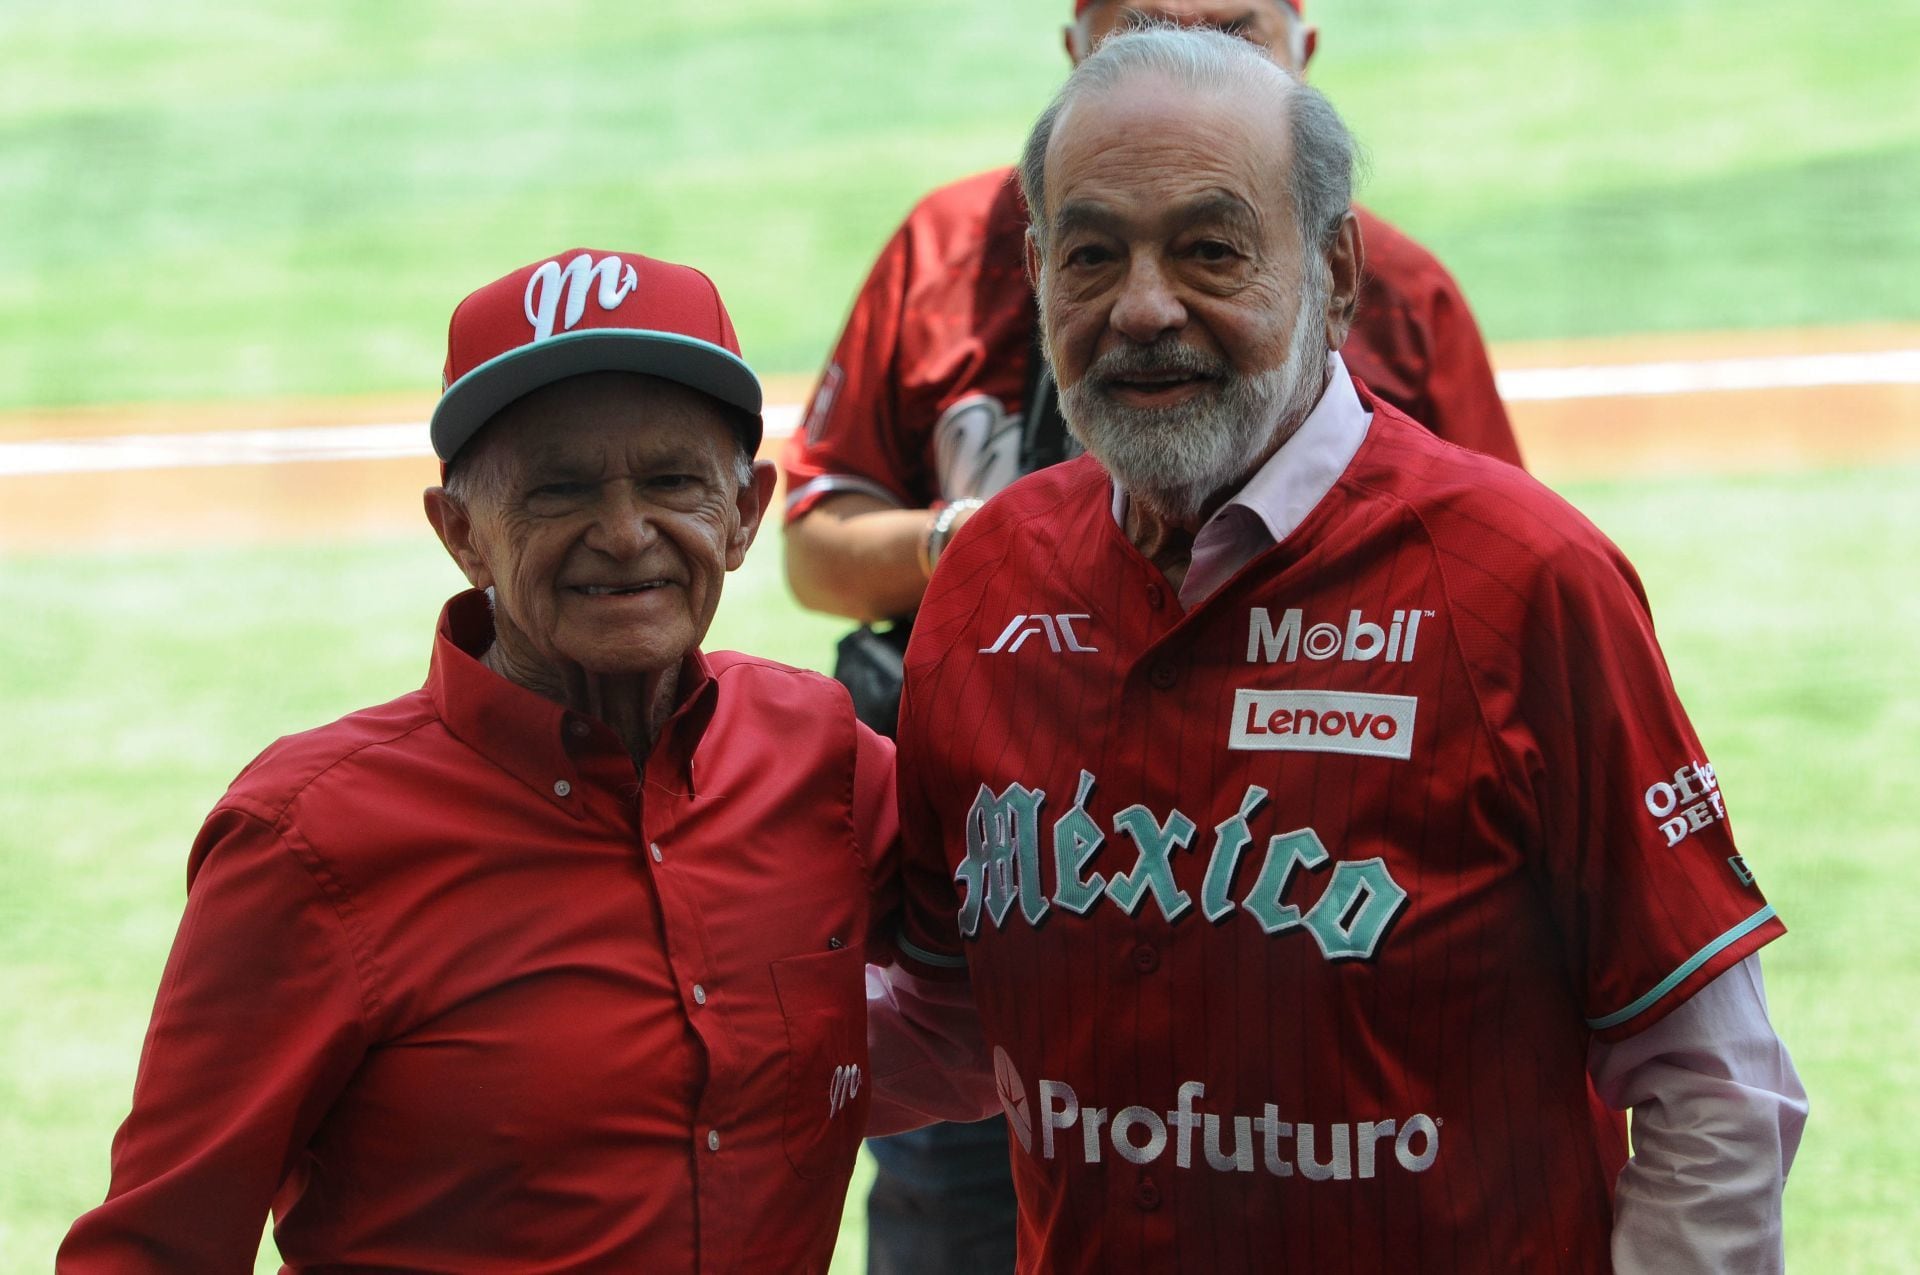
(409,439)
(1800,371)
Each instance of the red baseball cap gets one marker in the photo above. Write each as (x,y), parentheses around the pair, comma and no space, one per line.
(588,311)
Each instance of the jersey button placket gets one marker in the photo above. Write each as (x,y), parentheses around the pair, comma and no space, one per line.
(1147,1194)
(1163,676)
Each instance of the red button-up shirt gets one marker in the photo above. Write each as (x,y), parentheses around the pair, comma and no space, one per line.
(458,988)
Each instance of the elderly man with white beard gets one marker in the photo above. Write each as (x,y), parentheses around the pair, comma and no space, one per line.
(1306,799)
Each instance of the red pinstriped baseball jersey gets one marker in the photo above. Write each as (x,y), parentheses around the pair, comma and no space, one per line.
(1291,917)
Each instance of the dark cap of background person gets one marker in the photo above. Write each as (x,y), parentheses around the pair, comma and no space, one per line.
(582,311)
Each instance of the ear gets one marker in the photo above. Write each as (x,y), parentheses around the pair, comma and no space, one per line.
(1070,39)
(1032,261)
(1346,264)
(751,503)
(454,526)
(1309,41)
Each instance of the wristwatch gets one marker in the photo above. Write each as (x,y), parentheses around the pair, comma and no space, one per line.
(940,530)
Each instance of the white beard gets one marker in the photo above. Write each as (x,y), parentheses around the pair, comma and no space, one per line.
(1176,459)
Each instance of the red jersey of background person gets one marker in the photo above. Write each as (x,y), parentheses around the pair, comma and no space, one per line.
(922,398)
(1291,917)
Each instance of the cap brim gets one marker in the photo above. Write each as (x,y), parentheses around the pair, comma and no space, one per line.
(471,401)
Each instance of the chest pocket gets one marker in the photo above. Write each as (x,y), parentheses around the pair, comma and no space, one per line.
(823,1002)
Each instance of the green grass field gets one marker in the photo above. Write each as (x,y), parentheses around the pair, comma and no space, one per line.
(201,203)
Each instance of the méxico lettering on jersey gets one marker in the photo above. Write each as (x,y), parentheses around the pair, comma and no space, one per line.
(1002,870)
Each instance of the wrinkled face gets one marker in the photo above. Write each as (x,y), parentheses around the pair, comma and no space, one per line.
(1267,23)
(606,510)
(1177,304)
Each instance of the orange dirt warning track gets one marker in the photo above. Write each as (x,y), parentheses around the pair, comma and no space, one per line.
(1655,405)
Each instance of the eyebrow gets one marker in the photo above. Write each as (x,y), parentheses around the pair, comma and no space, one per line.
(1213,207)
(1220,208)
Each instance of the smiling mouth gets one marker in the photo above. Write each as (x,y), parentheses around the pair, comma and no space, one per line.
(1153,385)
(617,590)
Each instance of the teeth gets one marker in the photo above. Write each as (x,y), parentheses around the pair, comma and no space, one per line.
(603,590)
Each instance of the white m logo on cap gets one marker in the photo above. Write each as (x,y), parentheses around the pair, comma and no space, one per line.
(550,282)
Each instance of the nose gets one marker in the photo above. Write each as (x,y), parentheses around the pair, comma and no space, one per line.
(622,524)
(1147,306)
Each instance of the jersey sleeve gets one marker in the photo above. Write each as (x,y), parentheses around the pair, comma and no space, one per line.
(1415,343)
(851,437)
(1649,892)
(1465,406)
(258,1025)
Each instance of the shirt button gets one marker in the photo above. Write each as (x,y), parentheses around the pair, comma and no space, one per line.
(713,1139)
(578,729)
(1147,1194)
(700,998)
(1163,676)
(653,848)
(1156,597)
(1146,958)
(561,787)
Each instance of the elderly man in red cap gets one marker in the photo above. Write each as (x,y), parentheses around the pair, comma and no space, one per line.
(936,397)
(556,963)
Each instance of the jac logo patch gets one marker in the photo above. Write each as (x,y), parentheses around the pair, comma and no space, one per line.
(553,283)
(1323,722)
(1056,629)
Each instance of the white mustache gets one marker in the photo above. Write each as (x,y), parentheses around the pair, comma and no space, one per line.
(1163,356)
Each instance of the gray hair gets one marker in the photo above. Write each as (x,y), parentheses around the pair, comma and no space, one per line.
(1320,177)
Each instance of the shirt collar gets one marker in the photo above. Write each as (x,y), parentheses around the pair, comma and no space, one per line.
(1284,491)
(542,744)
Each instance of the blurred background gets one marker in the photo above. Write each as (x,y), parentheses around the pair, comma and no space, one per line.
(230,238)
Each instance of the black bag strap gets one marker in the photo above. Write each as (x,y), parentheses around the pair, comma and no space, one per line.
(1043,440)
